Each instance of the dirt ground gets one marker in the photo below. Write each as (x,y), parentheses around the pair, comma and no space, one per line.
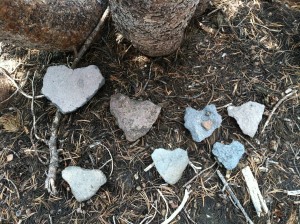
(234,53)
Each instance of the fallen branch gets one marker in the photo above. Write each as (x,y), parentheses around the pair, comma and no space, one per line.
(91,38)
(235,199)
(275,108)
(180,207)
(53,165)
(256,197)
(52,143)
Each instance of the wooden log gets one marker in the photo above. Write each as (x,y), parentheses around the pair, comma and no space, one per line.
(155,27)
(49,24)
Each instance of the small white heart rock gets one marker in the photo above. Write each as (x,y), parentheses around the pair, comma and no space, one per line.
(70,89)
(170,164)
(84,183)
(248,116)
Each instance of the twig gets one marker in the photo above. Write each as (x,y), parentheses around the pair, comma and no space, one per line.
(275,108)
(180,207)
(256,197)
(149,167)
(167,207)
(195,168)
(237,202)
(110,160)
(91,38)
(197,175)
(6,73)
(53,165)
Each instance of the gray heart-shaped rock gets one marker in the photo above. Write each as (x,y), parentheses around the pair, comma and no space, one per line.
(170,164)
(70,89)
(84,183)
(229,155)
(134,117)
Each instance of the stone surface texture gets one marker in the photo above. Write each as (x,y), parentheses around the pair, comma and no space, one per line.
(228,155)
(134,117)
(247,116)
(84,183)
(170,164)
(70,89)
(202,123)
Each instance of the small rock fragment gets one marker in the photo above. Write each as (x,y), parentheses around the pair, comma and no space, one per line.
(134,117)
(9,157)
(247,116)
(228,155)
(170,164)
(202,123)
(84,183)
(70,89)
(207,124)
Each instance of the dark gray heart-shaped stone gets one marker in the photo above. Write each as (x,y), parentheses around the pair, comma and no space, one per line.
(170,164)
(70,89)
(134,117)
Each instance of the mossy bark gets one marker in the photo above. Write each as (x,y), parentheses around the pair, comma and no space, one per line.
(49,24)
(155,27)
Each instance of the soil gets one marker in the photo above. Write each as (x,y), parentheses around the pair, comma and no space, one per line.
(229,55)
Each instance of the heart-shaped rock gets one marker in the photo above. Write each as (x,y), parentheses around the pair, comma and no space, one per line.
(170,164)
(70,89)
(229,155)
(134,117)
(202,123)
(247,116)
(84,183)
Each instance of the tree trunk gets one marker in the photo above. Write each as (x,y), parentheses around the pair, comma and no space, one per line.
(155,27)
(49,24)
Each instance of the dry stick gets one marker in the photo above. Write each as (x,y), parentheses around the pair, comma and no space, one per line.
(191,180)
(275,108)
(52,143)
(17,86)
(180,207)
(237,202)
(91,38)
(53,165)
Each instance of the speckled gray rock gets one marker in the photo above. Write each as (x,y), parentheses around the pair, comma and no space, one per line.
(170,164)
(134,117)
(202,123)
(247,116)
(84,183)
(228,155)
(70,89)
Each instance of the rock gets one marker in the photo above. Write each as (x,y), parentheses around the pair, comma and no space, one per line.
(228,155)
(170,164)
(207,125)
(134,117)
(247,116)
(202,123)
(84,183)
(70,89)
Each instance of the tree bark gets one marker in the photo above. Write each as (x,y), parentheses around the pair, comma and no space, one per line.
(49,24)
(155,27)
